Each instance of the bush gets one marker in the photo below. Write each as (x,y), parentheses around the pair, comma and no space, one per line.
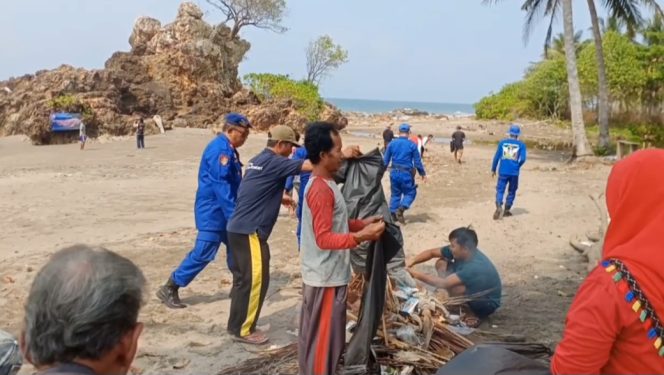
(507,104)
(304,95)
(72,104)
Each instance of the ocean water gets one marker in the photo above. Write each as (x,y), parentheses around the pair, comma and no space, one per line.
(383,106)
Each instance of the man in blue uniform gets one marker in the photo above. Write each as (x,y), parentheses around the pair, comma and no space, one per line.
(405,158)
(511,155)
(299,154)
(219,177)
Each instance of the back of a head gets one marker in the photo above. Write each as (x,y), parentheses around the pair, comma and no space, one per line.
(465,237)
(81,304)
(318,138)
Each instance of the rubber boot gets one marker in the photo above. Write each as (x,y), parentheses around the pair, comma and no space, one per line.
(168,295)
(498,213)
(399,215)
(507,212)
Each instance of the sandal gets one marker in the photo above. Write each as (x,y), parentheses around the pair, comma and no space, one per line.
(256,338)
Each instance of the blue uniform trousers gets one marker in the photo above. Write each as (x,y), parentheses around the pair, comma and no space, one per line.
(402,188)
(503,182)
(205,250)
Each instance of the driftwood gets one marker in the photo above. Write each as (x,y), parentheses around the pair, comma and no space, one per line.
(438,344)
(591,248)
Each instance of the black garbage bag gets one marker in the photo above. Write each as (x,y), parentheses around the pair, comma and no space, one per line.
(492,360)
(364,196)
(363,192)
(10,356)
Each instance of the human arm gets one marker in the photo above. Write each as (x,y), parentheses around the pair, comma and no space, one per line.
(592,326)
(417,158)
(496,158)
(522,155)
(220,169)
(356,225)
(320,200)
(290,182)
(424,256)
(447,282)
(388,155)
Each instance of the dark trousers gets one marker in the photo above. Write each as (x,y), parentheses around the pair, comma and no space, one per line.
(251,278)
(322,336)
(503,182)
(140,141)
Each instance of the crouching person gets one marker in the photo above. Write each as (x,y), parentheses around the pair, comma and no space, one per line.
(463,270)
(81,314)
(326,238)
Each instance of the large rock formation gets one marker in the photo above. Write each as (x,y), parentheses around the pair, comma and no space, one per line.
(186,72)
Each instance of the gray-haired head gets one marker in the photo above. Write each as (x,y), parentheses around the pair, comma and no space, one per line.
(81,304)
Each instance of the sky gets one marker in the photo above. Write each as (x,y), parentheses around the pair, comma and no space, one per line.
(453,51)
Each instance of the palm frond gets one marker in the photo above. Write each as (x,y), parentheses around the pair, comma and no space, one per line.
(625,10)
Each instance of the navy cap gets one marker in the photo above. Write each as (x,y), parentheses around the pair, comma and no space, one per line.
(237,120)
(404,128)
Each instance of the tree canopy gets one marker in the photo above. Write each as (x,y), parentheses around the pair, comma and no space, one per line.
(323,56)
(263,14)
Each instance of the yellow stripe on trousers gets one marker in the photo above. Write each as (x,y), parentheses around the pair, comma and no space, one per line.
(256,284)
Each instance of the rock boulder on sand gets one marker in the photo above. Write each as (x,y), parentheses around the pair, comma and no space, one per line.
(186,70)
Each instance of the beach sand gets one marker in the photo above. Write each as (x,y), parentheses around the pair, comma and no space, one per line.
(140,204)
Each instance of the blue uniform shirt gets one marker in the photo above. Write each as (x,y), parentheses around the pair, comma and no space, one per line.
(511,154)
(404,155)
(260,193)
(219,177)
(300,154)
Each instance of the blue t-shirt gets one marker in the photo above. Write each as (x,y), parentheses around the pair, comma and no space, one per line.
(478,275)
(511,154)
(260,192)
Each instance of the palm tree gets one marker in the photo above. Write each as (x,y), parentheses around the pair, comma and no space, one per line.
(581,145)
(551,8)
(623,11)
(557,44)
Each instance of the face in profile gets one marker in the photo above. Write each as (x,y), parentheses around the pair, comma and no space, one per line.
(332,159)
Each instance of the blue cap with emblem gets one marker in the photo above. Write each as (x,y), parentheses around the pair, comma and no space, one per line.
(237,120)
(404,128)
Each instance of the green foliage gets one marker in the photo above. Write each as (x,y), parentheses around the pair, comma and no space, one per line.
(72,104)
(507,104)
(304,95)
(323,55)
(541,94)
(624,68)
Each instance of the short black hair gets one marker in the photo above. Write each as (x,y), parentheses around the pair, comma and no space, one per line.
(318,139)
(465,237)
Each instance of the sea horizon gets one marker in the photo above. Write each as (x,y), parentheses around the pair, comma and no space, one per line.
(385,106)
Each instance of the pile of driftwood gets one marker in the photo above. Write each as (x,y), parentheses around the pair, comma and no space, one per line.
(419,342)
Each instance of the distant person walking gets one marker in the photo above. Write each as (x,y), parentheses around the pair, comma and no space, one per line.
(405,158)
(425,142)
(140,133)
(82,136)
(388,135)
(458,137)
(511,154)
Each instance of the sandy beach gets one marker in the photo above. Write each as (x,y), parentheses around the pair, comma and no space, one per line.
(140,204)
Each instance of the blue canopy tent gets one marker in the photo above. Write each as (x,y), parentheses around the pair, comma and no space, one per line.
(65,122)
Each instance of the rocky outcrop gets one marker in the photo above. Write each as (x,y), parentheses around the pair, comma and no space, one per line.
(186,72)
